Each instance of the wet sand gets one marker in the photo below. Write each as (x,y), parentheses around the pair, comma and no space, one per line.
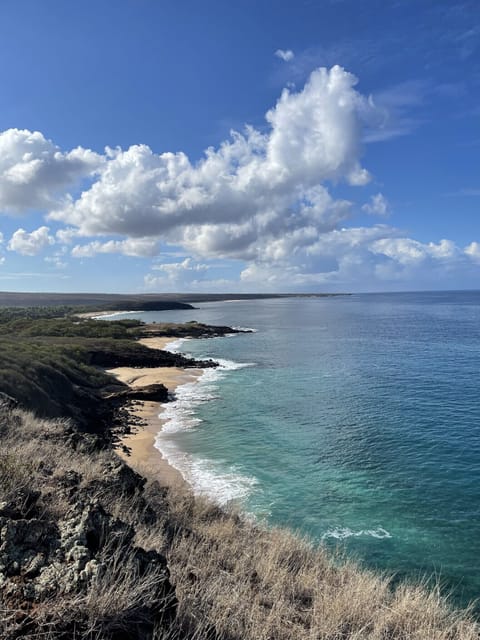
(144,457)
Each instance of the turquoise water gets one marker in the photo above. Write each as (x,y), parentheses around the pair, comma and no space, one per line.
(356,421)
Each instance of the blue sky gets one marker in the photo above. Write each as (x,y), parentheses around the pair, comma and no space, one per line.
(151,145)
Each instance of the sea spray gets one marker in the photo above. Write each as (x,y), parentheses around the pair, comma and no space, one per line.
(207,477)
(341,533)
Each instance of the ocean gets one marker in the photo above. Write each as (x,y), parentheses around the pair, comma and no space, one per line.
(354,420)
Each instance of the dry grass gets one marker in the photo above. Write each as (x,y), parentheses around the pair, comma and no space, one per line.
(234,580)
(118,597)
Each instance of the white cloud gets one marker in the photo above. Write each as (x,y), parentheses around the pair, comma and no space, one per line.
(66,235)
(33,171)
(378,206)
(177,275)
(174,268)
(473,251)
(373,258)
(56,261)
(139,247)
(30,244)
(407,251)
(261,197)
(254,190)
(285,54)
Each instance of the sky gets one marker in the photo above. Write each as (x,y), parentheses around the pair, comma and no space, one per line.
(252,146)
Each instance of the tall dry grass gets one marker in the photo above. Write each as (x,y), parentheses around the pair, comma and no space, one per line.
(234,580)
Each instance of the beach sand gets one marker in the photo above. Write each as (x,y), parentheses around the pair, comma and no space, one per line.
(144,457)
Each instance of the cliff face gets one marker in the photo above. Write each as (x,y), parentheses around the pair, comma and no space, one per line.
(69,563)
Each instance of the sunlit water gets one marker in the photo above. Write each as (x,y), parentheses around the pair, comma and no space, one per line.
(355,420)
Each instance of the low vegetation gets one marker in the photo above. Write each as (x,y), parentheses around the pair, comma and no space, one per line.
(51,363)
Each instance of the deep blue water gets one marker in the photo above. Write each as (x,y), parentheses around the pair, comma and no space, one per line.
(358,424)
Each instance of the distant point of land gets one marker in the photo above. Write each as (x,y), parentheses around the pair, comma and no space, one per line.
(135,302)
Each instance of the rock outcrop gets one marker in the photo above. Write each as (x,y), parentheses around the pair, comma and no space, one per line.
(188,330)
(67,564)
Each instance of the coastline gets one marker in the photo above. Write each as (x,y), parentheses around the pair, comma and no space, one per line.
(95,315)
(143,455)
(170,555)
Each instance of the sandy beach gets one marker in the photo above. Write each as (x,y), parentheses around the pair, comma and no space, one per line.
(144,456)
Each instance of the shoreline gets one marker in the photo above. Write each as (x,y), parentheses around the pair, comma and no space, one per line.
(143,456)
(93,315)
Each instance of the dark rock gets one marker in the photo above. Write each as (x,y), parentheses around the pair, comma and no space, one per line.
(141,356)
(7,403)
(153,392)
(21,505)
(22,542)
(189,330)
(40,559)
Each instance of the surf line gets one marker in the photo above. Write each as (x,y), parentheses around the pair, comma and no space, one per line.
(206,476)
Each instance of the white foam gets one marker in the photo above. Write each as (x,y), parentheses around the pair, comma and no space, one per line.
(174,346)
(207,477)
(341,533)
(230,365)
(113,314)
(247,329)
(179,415)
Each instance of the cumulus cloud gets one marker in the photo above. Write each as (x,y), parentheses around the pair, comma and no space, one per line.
(175,275)
(285,54)
(262,197)
(377,206)
(30,244)
(66,235)
(251,193)
(473,251)
(33,171)
(375,257)
(139,247)
(407,251)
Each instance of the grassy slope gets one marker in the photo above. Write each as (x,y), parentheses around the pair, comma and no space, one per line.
(233,579)
(44,363)
(51,364)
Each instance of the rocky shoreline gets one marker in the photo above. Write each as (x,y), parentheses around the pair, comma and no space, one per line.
(120,399)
